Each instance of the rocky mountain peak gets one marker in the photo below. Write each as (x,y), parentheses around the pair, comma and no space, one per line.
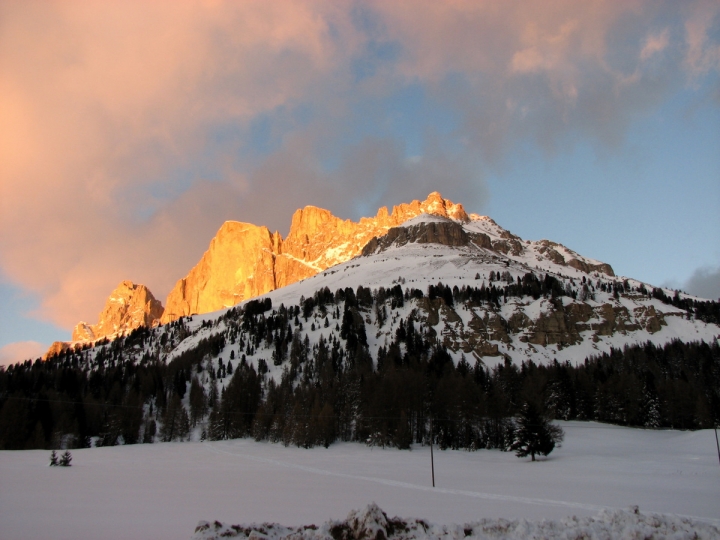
(246,260)
(129,306)
(434,205)
(308,221)
(237,265)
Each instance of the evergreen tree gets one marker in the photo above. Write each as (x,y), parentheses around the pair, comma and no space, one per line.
(149,431)
(198,401)
(183,427)
(53,459)
(65,459)
(535,434)
(174,421)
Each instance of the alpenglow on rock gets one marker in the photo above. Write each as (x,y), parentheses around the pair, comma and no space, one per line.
(245,260)
(128,307)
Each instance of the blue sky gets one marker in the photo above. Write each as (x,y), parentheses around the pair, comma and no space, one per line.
(132,132)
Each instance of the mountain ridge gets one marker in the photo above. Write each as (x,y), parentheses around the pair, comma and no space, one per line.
(245,260)
(316,241)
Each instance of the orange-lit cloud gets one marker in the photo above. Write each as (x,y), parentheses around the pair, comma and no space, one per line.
(21,351)
(108,107)
(100,101)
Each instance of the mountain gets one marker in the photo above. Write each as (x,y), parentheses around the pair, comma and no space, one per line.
(245,260)
(537,300)
(128,307)
(421,245)
(444,317)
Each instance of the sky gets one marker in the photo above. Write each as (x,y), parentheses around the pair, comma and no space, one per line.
(130,131)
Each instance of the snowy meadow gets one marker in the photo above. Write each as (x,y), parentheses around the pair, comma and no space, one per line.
(164,490)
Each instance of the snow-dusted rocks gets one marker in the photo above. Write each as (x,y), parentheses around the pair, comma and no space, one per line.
(372,523)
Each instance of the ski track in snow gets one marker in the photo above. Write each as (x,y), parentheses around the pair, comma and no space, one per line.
(407,485)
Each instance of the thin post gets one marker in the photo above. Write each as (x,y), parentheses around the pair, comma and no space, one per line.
(716,443)
(432,460)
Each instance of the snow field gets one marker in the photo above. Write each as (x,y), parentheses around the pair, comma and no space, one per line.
(163,490)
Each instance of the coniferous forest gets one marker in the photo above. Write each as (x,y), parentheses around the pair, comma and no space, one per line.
(126,391)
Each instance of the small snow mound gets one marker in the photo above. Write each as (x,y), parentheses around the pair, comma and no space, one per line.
(373,524)
(370,523)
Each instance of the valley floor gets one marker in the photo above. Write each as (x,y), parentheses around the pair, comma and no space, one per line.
(163,490)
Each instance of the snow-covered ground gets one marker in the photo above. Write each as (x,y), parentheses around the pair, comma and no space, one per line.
(372,523)
(163,490)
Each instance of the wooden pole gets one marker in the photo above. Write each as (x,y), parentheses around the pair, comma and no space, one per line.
(716,444)
(432,460)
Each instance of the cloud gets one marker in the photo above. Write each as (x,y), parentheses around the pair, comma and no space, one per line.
(107,110)
(655,43)
(21,351)
(703,53)
(567,68)
(705,283)
(131,131)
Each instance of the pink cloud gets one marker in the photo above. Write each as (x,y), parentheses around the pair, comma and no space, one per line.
(20,351)
(104,102)
(654,44)
(100,100)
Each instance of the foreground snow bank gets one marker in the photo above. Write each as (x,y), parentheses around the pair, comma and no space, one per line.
(373,524)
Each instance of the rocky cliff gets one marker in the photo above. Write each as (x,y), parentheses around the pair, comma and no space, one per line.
(128,307)
(245,260)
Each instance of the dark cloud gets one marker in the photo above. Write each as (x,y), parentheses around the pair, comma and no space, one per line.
(705,283)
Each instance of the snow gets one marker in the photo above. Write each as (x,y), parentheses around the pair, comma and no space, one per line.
(164,490)
(425,218)
(372,522)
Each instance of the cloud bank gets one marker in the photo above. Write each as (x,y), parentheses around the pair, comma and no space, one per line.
(21,351)
(705,283)
(132,131)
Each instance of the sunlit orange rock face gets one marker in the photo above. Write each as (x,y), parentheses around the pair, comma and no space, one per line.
(128,307)
(245,260)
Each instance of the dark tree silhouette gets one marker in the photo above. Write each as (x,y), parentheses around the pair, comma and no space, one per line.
(535,434)
(65,459)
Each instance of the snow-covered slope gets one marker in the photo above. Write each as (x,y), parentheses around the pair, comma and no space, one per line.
(161,491)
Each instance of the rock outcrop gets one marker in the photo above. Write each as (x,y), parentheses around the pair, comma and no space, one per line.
(128,307)
(445,232)
(245,260)
(239,264)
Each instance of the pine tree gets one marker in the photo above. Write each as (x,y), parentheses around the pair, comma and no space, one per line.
(65,459)
(535,434)
(53,459)
(183,427)
(198,401)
